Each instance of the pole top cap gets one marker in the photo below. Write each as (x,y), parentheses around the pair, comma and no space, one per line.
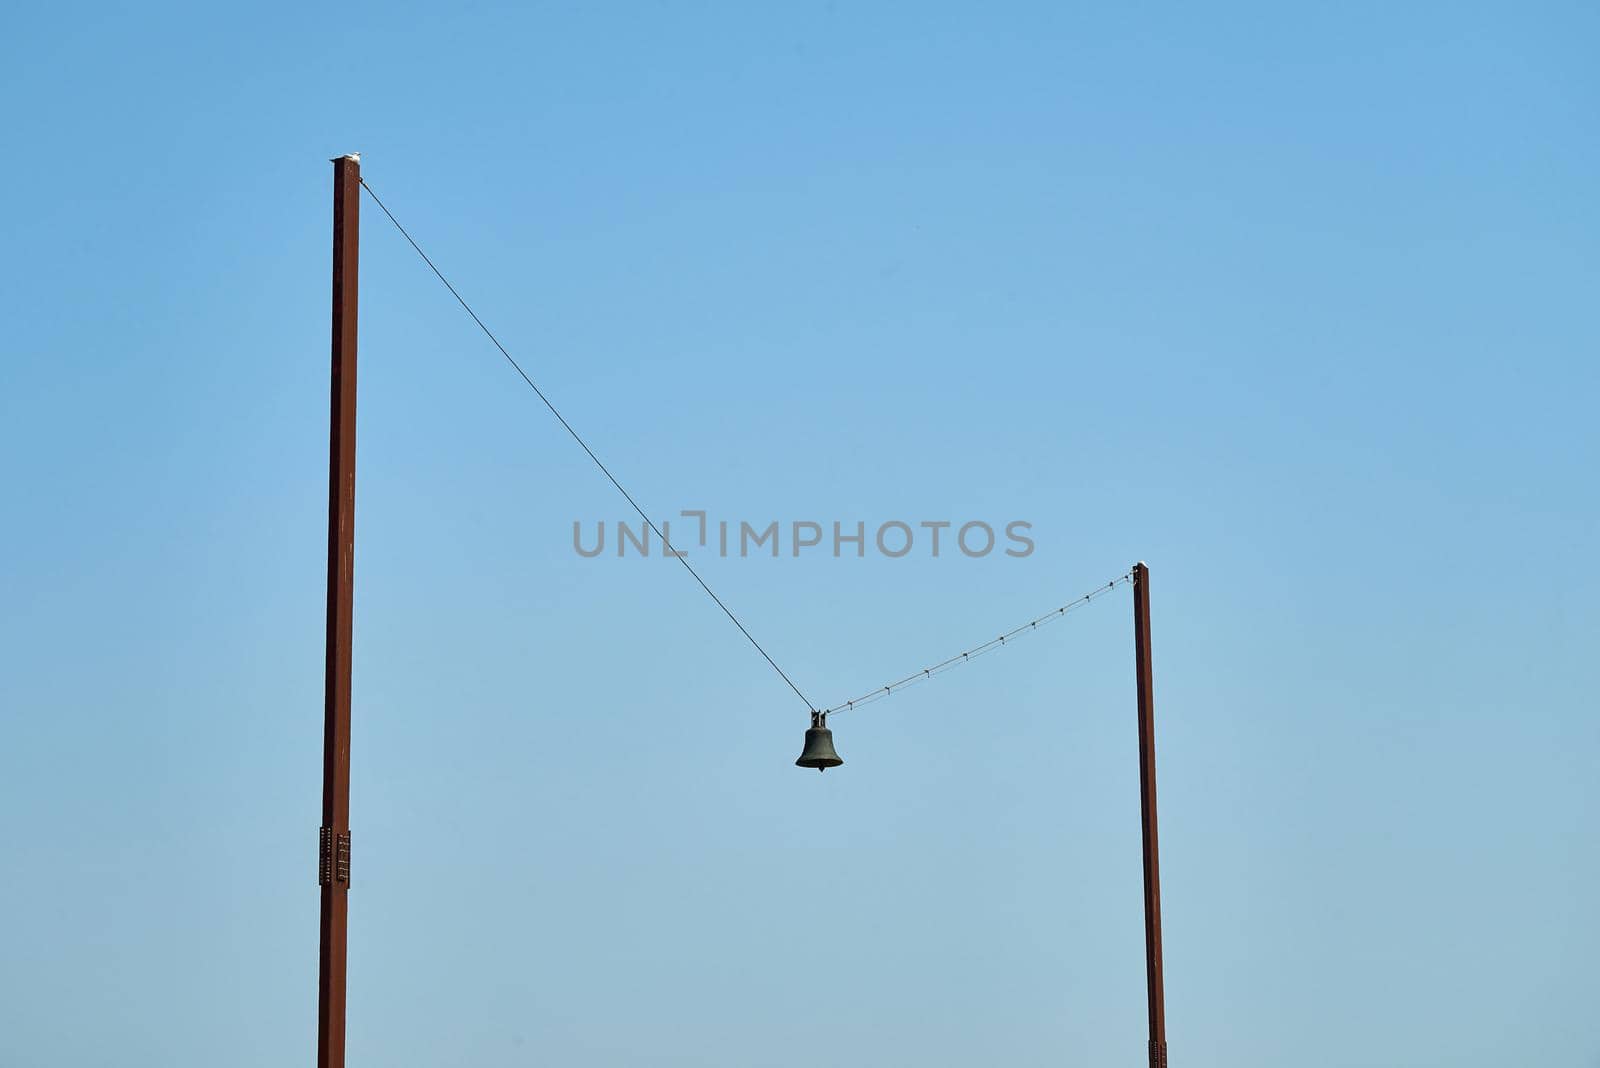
(354,157)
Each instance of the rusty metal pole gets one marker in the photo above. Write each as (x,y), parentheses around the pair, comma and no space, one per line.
(333,868)
(1147,819)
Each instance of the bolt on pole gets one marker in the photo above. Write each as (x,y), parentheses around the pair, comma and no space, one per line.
(333,869)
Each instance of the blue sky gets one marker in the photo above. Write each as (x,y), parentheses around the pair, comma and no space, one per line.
(1295,305)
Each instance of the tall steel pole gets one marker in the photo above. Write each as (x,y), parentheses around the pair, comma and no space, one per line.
(333,874)
(1147,819)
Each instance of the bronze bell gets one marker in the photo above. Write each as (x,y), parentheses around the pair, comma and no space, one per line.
(819,752)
